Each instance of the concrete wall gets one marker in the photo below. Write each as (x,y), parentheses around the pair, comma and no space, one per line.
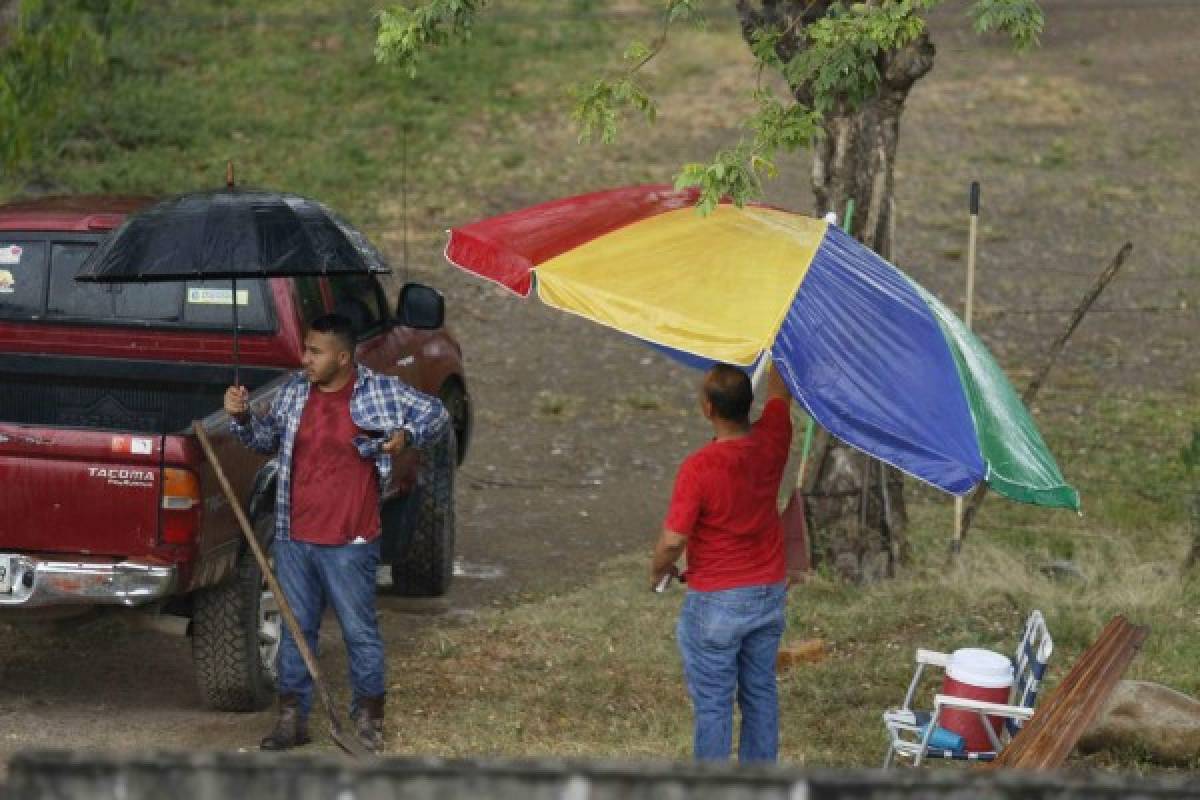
(67,776)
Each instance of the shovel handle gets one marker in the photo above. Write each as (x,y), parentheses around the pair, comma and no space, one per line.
(285,608)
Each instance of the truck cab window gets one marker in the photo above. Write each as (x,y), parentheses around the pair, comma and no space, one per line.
(68,297)
(141,302)
(22,279)
(37,282)
(361,298)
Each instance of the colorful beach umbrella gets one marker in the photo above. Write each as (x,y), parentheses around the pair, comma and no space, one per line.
(873,357)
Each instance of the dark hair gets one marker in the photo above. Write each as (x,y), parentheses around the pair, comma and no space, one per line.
(730,392)
(338,326)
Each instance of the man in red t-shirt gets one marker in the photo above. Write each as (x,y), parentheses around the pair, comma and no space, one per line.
(724,515)
(334,429)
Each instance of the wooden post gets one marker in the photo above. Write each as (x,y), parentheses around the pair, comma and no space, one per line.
(973,209)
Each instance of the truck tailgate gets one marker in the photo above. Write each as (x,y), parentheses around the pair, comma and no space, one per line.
(78,491)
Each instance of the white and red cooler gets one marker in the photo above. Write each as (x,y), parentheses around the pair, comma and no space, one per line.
(978,675)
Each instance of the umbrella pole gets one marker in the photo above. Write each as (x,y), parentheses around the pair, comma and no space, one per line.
(760,372)
(237,354)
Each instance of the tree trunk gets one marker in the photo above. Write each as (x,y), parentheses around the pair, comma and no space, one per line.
(854,530)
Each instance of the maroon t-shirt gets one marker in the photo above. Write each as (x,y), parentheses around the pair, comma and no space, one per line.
(725,503)
(335,491)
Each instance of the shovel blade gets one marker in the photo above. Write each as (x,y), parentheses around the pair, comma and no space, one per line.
(349,743)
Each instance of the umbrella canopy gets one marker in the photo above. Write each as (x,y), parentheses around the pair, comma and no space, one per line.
(231,234)
(872,356)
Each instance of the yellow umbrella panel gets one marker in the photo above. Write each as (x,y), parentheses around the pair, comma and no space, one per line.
(720,294)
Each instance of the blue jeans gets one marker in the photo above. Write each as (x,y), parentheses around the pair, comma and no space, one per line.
(728,641)
(315,576)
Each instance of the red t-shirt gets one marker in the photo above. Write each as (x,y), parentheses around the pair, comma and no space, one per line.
(725,503)
(335,492)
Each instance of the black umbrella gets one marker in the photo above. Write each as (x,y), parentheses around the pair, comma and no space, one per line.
(232,234)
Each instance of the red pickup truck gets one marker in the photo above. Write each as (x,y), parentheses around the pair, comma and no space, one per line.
(106,499)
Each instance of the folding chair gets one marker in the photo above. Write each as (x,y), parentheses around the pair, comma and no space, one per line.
(909,731)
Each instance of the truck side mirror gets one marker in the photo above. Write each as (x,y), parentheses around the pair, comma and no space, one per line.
(421,307)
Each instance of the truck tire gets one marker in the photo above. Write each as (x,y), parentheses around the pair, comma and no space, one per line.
(421,526)
(236,628)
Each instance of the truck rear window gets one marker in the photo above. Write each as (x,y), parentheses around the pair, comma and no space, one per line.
(37,282)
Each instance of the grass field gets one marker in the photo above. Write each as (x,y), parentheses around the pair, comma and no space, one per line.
(291,92)
(595,671)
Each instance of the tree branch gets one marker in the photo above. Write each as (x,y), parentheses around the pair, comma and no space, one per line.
(1105,278)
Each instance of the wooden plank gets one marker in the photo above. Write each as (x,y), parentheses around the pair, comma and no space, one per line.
(1044,750)
(1030,736)
(1048,739)
(1046,729)
(1076,717)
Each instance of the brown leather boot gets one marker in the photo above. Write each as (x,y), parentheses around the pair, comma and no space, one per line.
(368,722)
(291,729)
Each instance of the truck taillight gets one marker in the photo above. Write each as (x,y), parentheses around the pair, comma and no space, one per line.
(181,503)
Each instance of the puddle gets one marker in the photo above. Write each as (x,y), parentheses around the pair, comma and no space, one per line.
(480,572)
(462,569)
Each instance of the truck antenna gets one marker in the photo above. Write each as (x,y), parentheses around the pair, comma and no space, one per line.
(404,196)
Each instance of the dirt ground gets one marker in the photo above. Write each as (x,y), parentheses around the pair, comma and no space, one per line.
(1080,146)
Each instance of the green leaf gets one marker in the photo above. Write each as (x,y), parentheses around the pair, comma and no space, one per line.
(1022,20)
(779,127)
(599,106)
(685,11)
(636,51)
(731,175)
(764,44)
(405,35)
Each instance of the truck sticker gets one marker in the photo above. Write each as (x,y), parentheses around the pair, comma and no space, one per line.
(136,445)
(216,297)
(7,284)
(11,254)
(120,476)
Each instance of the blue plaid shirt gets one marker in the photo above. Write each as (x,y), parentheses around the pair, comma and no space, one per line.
(377,403)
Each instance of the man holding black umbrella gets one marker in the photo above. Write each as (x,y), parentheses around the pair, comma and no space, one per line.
(335,427)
